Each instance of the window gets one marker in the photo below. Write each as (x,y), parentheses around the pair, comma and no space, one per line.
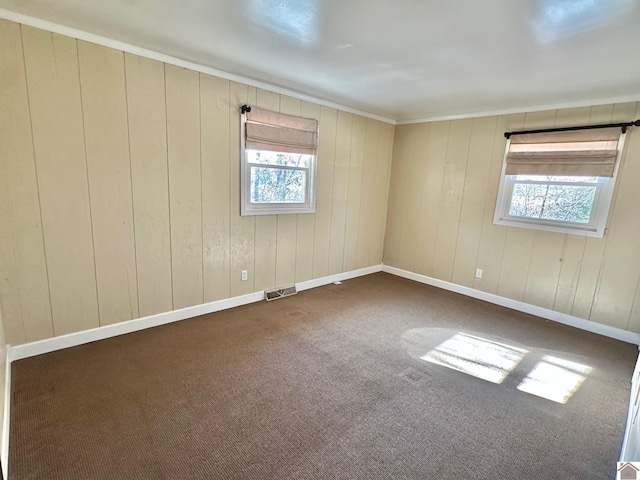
(559,181)
(278,163)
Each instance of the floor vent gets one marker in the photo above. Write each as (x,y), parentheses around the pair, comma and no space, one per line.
(279,293)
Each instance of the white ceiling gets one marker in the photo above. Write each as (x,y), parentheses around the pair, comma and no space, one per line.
(399,59)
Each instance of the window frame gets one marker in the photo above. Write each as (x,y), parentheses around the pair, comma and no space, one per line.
(601,204)
(248,208)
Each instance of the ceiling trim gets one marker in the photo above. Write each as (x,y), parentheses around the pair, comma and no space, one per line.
(539,108)
(161,57)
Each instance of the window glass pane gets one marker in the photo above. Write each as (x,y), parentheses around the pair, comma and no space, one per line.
(556,178)
(277,185)
(562,203)
(279,158)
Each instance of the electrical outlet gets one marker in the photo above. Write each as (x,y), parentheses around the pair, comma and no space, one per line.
(478,273)
(245,275)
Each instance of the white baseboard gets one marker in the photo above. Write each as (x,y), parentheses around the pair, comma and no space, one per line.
(339,277)
(563,318)
(57,343)
(78,338)
(85,336)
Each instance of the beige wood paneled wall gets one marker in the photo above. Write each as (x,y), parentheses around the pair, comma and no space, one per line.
(119,189)
(444,184)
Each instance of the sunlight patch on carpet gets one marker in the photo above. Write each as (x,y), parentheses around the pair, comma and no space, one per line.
(555,379)
(482,358)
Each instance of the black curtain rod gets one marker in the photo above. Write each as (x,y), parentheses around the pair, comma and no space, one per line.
(245,108)
(586,127)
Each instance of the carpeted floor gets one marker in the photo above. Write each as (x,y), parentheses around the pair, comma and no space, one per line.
(327,384)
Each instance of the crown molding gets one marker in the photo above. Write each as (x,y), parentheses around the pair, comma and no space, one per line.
(161,57)
(510,111)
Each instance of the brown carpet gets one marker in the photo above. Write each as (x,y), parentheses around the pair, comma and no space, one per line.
(327,384)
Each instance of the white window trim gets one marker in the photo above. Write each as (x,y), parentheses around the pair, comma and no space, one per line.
(596,227)
(249,209)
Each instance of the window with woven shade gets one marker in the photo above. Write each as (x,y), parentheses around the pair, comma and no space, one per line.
(279,155)
(559,181)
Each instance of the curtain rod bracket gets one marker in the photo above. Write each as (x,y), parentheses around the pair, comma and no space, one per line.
(245,109)
(624,126)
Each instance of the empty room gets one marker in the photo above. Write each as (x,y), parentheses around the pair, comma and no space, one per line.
(304,239)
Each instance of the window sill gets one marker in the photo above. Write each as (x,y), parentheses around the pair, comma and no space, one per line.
(276,210)
(585,232)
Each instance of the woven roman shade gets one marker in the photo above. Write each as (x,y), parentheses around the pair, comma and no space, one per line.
(588,153)
(276,132)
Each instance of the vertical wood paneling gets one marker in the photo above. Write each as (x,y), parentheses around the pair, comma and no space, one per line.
(410,146)
(621,261)
(571,261)
(125,163)
(24,288)
(402,212)
(286,229)
(435,159)
(214,145)
(515,263)
(90,178)
(589,273)
(58,136)
(352,223)
(412,195)
(134,166)
(546,257)
(572,247)
(305,234)
(324,200)
(241,229)
(104,104)
(340,192)
(472,211)
(369,171)
(287,225)
(150,182)
(493,237)
(452,188)
(588,277)
(392,243)
(544,270)
(185,197)
(382,180)
(597,279)
(266,235)
(514,274)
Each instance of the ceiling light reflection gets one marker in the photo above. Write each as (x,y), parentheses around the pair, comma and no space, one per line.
(295,19)
(555,19)
(482,358)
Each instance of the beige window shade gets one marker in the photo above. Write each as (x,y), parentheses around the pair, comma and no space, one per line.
(589,153)
(276,132)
